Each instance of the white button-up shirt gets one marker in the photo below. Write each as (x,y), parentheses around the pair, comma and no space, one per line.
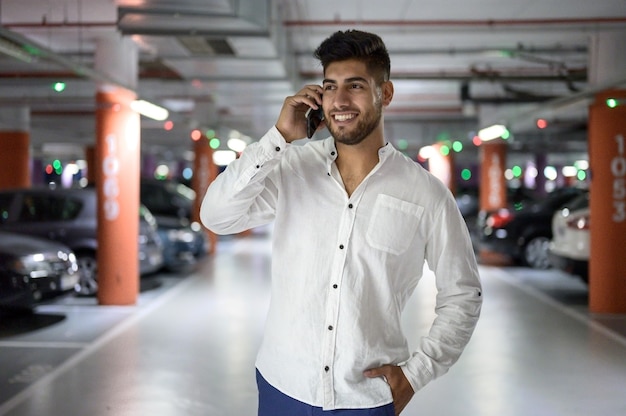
(344,266)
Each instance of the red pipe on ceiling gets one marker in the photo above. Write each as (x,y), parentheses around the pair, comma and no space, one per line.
(452,22)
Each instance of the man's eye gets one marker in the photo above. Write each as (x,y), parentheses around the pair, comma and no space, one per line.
(356,86)
(329,87)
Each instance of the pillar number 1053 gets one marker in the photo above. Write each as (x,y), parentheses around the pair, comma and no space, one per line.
(618,171)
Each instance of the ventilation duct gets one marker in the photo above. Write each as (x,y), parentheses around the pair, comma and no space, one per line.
(206,46)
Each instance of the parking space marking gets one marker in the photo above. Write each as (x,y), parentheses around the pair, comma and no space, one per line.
(142,312)
(509,278)
(37,344)
(31,373)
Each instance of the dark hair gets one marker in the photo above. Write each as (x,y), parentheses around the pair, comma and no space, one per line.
(355,44)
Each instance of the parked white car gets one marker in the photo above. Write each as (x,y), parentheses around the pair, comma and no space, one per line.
(569,248)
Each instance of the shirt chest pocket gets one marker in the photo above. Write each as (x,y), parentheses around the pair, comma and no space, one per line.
(393,224)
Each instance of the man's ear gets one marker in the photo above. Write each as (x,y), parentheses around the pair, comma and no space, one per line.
(387,92)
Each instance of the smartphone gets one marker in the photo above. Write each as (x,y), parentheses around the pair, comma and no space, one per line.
(313,120)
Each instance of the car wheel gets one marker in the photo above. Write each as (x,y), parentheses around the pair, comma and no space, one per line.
(88,269)
(536,253)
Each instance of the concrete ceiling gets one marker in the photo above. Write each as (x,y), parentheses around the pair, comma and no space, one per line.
(228,64)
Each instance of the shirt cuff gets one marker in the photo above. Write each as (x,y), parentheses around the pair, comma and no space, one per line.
(273,143)
(260,157)
(416,373)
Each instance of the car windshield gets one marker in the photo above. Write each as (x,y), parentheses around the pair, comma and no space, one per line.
(580,202)
(185,191)
(36,208)
(5,202)
(557,198)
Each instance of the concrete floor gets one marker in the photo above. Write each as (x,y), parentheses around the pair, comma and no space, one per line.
(188,348)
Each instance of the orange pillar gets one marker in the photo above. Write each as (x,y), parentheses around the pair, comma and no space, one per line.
(442,166)
(492,181)
(492,190)
(204,171)
(14,147)
(117,180)
(14,159)
(90,158)
(607,157)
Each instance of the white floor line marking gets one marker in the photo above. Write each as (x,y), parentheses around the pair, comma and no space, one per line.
(38,344)
(93,347)
(581,317)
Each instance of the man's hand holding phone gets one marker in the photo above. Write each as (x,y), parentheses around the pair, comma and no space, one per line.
(293,122)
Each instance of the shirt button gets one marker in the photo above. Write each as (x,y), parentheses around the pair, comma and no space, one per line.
(350,206)
(258,166)
(340,246)
(330,327)
(277,149)
(335,286)
(327,369)
(332,153)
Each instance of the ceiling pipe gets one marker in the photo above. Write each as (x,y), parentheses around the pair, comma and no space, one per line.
(561,102)
(520,49)
(557,103)
(255,13)
(510,76)
(143,107)
(61,25)
(516,97)
(62,61)
(488,23)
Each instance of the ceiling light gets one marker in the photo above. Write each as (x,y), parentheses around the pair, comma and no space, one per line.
(223,157)
(492,132)
(149,110)
(427,152)
(582,164)
(58,86)
(236,144)
(196,135)
(569,171)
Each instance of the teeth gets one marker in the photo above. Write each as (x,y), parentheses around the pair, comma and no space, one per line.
(343,117)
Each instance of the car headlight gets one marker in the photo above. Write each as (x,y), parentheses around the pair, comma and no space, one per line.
(184,236)
(71,261)
(43,265)
(35,266)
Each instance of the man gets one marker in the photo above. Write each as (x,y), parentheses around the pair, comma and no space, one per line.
(354,222)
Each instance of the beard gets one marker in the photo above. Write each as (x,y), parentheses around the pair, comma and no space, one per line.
(362,129)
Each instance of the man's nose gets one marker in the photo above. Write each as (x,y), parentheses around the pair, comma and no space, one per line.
(341,98)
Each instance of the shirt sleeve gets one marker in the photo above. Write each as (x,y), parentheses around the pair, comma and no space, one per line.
(450,255)
(244,195)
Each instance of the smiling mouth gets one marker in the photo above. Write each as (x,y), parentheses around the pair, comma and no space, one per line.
(344,117)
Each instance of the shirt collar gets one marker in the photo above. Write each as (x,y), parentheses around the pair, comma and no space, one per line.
(331,150)
(385,151)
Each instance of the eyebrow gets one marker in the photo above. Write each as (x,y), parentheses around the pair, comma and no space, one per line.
(347,80)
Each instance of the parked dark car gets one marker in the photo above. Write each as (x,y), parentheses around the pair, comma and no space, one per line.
(523,231)
(171,203)
(468,201)
(70,217)
(167,198)
(33,269)
(183,242)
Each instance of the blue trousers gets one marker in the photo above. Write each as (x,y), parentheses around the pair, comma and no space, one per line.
(272,402)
